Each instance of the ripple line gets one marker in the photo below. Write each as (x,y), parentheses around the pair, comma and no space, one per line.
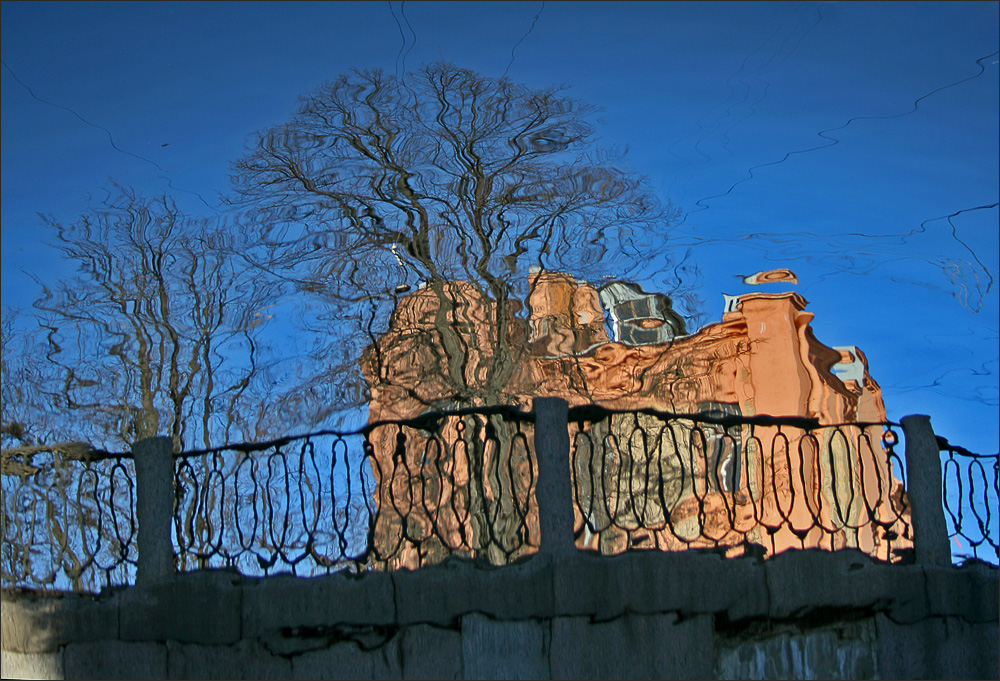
(954,235)
(518,43)
(742,80)
(833,141)
(111,139)
(413,34)
(403,50)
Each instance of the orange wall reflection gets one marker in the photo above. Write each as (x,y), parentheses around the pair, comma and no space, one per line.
(452,345)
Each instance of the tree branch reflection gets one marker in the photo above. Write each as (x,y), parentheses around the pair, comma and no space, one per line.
(452,182)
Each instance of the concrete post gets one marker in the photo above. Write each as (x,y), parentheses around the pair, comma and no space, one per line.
(924,487)
(154,481)
(554,492)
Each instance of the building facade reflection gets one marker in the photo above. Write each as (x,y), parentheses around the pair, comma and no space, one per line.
(639,481)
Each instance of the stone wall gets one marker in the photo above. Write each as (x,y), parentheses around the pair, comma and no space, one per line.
(806,614)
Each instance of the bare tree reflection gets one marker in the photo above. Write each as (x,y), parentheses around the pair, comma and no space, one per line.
(156,334)
(382,184)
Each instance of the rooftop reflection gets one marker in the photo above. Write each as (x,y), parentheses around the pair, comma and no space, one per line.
(589,346)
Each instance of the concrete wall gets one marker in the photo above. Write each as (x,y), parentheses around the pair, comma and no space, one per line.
(808,614)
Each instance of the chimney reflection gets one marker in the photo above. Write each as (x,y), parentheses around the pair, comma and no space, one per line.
(639,481)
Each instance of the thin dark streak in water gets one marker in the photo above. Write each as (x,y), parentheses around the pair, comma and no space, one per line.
(951,337)
(966,281)
(732,81)
(762,69)
(518,43)
(701,203)
(402,11)
(107,132)
(816,236)
(769,65)
(954,235)
(111,140)
(402,36)
(981,395)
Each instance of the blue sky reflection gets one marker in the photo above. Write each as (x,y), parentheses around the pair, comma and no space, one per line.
(854,143)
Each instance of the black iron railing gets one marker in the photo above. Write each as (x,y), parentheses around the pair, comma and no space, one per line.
(969,495)
(394,494)
(472,483)
(649,479)
(69,518)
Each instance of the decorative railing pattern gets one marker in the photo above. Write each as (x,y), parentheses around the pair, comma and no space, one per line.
(302,505)
(970,498)
(68,520)
(454,483)
(478,483)
(649,479)
(395,494)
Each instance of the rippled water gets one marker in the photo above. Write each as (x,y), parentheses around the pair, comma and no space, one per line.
(222,262)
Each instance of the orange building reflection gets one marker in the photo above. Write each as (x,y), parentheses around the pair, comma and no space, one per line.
(450,345)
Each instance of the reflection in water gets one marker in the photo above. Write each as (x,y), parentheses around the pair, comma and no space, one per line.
(157,333)
(771,277)
(639,318)
(618,347)
(442,232)
(644,480)
(377,186)
(455,184)
(465,486)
